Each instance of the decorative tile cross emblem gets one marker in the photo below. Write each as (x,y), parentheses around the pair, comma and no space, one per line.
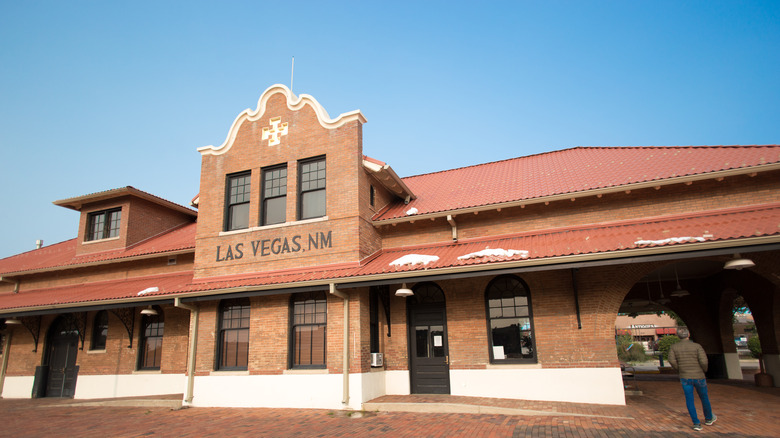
(275,131)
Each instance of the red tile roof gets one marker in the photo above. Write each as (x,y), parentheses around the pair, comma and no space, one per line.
(615,238)
(97,292)
(569,171)
(62,255)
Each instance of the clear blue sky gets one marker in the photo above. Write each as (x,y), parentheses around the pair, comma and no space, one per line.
(99,95)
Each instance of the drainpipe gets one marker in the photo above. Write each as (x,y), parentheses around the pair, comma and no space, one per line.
(6,349)
(454,226)
(345,362)
(15,282)
(194,313)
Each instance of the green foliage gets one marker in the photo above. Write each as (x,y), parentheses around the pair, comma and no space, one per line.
(629,350)
(754,345)
(665,343)
(676,317)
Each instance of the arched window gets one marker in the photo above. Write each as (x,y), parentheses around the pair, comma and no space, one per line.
(99,331)
(510,322)
(309,318)
(233,334)
(150,347)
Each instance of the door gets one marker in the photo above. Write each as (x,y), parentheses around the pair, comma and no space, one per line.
(429,369)
(63,347)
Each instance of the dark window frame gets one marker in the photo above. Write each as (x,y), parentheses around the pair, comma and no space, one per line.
(303,190)
(243,305)
(371,195)
(319,297)
(264,194)
(152,328)
(99,331)
(246,197)
(523,287)
(109,226)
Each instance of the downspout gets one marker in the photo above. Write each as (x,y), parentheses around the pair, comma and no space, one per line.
(15,282)
(451,220)
(6,349)
(576,296)
(194,313)
(345,362)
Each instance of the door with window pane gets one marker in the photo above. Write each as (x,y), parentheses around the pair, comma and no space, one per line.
(429,369)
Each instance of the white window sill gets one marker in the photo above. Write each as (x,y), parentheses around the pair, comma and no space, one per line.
(514,366)
(107,239)
(307,371)
(147,372)
(229,373)
(96,351)
(271,227)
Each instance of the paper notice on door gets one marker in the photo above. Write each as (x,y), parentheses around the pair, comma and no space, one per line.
(437,341)
(498,352)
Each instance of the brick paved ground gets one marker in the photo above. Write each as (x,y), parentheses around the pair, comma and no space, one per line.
(743,411)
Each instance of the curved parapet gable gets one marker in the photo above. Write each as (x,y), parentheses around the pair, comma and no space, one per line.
(294,103)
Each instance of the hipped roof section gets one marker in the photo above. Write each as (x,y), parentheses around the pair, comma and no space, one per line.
(572,172)
(78,202)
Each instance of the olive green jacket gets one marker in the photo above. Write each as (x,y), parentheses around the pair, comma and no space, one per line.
(689,359)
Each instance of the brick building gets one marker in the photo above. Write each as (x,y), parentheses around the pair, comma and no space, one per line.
(310,275)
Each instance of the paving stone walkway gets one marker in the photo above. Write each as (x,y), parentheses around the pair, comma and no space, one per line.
(743,411)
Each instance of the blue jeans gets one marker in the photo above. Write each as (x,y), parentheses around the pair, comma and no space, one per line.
(701,389)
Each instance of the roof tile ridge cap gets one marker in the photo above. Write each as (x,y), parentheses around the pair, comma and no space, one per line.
(276,273)
(162,233)
(371,257)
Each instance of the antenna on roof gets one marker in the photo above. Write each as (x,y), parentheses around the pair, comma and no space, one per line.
(292,72)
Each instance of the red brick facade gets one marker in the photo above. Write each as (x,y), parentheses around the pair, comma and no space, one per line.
(573,306)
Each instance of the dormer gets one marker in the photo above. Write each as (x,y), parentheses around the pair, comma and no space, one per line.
(120,218)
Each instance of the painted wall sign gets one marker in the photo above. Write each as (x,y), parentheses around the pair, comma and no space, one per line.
(275,246)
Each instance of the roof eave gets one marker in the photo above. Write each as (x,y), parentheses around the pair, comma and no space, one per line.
(584,193)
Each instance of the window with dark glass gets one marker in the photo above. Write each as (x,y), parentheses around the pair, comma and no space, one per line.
(371,195)
(237,211)
(308,329)
(510,322)
(312,188)
(274,195)
(233,334)
(150,347)
(103,224)
(99,331)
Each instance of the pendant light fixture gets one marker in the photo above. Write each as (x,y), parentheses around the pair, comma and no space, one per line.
(404,291)
(679,292)
(149,311)
(738,263)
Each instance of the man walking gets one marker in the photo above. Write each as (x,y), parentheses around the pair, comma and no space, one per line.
(690,361)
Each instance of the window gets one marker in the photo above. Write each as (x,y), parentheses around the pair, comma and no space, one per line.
(99,331)
(237,212)
(103,224)
(150,347)
(371,195)
(274,195)
(233,334)
(308,326)
(510,322)
(312,192)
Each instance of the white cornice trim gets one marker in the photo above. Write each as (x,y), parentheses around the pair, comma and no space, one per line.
(294,103)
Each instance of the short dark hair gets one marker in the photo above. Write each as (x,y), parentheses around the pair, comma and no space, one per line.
(683,333)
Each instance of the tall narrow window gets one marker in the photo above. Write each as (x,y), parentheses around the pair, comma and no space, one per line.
(99,331)
(237,211)
(150,347)
(312,193)
(308,329)
(233,334)
(274,195)
(510,322)
(103,224)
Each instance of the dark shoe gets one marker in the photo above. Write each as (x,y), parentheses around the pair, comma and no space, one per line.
(709,422)
(697,427)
